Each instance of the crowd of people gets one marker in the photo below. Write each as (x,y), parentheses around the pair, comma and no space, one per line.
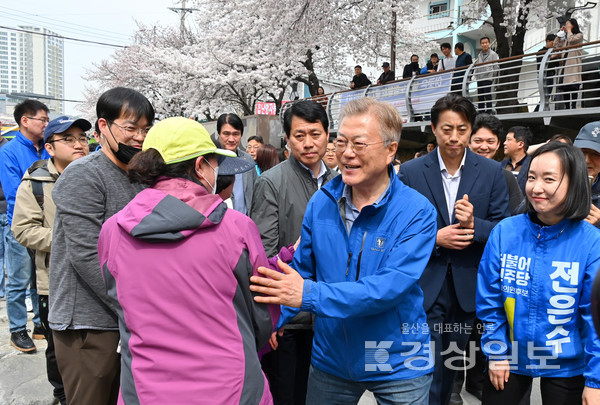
(563,70)
(170,266)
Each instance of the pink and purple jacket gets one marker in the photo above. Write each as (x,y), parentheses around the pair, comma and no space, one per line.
(177,264)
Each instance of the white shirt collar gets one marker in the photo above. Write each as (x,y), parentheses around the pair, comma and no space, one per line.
(322,171)
(443,168)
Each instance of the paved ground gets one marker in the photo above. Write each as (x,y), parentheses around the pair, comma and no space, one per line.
(23,376)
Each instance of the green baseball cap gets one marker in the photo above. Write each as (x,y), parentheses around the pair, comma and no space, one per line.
(178,139)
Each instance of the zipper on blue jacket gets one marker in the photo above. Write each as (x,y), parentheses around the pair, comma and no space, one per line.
(349,259)
(360,255)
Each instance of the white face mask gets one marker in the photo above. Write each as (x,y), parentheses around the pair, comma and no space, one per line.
(216,171)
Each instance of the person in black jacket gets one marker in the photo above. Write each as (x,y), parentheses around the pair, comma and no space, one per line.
(462,59)
(388,75)
(412,68)
(360,79)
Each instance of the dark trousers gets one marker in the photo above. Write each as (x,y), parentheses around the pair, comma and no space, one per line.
(484,94)
(450,339)
(569,93)
(89,364)
(476,371)
(555,391)
(287,367)
(51,365)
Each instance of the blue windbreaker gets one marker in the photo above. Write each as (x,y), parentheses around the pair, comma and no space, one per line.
(363,288)
(15,158)
(534,288)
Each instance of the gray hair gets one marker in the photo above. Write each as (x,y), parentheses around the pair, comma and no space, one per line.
(389,119)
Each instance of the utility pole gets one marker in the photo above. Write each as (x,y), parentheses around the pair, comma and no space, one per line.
(182,11)
(393,43)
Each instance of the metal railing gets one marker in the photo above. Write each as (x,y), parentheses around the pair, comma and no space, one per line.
(534,83)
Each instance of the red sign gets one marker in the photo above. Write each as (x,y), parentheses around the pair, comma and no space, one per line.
(263,108)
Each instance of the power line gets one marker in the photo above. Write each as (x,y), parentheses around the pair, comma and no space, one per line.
(63,37)
(29,18)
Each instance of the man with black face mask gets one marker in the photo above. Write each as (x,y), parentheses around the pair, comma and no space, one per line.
(88,192)
(412,68)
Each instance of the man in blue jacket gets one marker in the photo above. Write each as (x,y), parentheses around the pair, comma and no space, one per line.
(15,158)
(366,239)
(471,197)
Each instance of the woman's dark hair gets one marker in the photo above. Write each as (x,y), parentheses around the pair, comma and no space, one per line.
(456,103)
(561,137)
(232,120)
(124,102)
(281,154)
(308,110)
(575,24)
(578,200)
(266,157)
(147,166)
(224,181)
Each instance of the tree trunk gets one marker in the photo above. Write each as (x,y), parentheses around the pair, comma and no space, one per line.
(506,87)
(312,81)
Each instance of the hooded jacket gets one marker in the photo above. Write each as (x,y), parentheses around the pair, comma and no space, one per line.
(176,263)
(32,224)
(533,295)
(363,287)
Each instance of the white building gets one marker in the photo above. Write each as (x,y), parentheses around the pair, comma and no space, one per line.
(32,63)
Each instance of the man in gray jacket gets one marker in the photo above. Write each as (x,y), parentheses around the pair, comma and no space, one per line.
(280,199)
(230,129)
(484,75)
(88,192)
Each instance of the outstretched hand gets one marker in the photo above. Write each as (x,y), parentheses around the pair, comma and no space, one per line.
(278,288)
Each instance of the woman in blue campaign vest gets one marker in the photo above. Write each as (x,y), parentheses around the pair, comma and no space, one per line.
(534,288)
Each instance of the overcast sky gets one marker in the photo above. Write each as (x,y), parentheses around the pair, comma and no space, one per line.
(107,21)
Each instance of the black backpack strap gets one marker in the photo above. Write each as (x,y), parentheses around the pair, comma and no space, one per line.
(37,187)
(40,170)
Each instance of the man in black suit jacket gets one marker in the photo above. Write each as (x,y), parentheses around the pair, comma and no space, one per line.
(471,197)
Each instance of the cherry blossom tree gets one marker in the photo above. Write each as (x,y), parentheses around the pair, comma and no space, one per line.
(230,55)
(512,18)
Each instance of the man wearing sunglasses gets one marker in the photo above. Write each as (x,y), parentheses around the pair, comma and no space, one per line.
(33,218)
(15,158)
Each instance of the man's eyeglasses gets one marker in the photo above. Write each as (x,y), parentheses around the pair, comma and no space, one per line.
(330,150)
(132,131)
(253,147)
(44,120)
(357,147)
(71,140)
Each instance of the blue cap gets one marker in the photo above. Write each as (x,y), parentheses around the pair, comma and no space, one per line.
(233,165)
(61,124)
(589,137)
